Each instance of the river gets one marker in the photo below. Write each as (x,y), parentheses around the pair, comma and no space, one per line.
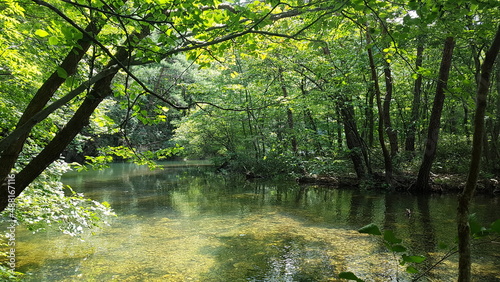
(186,223)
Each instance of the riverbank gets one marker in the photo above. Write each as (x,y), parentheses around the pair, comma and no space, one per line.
(440,183)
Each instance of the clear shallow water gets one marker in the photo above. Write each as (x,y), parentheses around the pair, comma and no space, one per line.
(187,224)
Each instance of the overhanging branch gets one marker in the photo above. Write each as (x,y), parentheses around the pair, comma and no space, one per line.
(41,115)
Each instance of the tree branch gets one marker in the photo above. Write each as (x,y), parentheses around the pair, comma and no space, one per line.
(133,17)
(114,60)
(41,115)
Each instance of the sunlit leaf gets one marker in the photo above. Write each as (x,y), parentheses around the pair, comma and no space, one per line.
(53,40)
(41,33)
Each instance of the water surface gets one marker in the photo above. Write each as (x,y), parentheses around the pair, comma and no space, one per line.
(189,224)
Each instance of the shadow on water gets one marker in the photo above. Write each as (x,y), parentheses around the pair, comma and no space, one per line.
(184,224)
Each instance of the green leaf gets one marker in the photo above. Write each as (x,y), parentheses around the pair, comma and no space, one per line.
(53,40)
(411,269)
(371,229)
(77,35)
(398,248)
(62,72)
(476,229)
(41,33)
(495,226)
(67,32)
(415,259)
(389,237)
(349,276)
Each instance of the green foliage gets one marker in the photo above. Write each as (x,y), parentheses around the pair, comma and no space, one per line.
(453,155)
(478,231)
(120,153)
(393,244)
(277,94)
(6,272)
(46,203)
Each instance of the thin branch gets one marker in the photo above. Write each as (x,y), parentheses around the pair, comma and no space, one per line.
(451,252)
(106,50)
(232,109)
(133,17)
(275,34)
(390,35)
(249,30)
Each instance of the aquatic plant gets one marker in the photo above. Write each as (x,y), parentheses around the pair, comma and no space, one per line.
(394,245)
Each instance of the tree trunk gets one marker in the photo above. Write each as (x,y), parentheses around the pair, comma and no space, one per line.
(386,107)
(52,151)
(369,121)
(495,131)
(376,89)
(43,95)
(354,143)
(422,182)
(415,106)
(464,264)
(338,128)
(289,113)
(310,122)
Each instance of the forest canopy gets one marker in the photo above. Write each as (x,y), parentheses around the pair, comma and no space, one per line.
(301,87)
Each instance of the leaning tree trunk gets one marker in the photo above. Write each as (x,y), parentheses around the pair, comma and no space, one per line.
(422,183)
(70,63)
(53,150)
(495,134)
(464,264)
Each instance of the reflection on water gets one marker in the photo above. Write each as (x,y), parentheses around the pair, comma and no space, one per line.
(184,224)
